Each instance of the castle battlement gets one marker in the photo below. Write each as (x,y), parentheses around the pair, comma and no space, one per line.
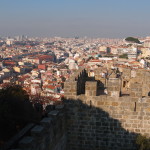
(110,111)
(49,134)
(104,109)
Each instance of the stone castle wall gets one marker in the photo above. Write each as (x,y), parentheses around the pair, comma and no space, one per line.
(50,134)
(93,119)
(110,121)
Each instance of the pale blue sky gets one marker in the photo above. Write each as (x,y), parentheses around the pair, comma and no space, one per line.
(69,18)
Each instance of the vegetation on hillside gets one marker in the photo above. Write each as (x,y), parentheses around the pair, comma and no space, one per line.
(124,56)
(15,111)
(132,39)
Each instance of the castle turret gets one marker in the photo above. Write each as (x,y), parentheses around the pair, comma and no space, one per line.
(91,88)
(70,89)
(113,87)
(113,84)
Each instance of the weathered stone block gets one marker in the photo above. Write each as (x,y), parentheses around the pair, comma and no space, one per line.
(134,125)
(37,130)
(46,121)
(26,143)
(53,113)
(147,109)
(115,103)
(99,103)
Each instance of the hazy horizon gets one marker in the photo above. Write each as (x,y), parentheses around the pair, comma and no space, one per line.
(70,18)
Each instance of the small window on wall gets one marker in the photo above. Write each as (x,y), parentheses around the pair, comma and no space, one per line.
(135,106)
(124,83)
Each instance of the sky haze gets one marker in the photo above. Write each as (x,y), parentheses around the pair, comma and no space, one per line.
(70,18)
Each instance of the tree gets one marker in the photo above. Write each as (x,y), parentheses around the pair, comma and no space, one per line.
(63,79)
(15,110)
(90,58)
(123,56)
(132,39)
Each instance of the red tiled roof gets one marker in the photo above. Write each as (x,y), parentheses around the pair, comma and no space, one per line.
(49,86)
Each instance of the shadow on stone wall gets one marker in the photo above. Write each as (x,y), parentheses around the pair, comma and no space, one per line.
(100,88)
(48,134)
(91,128)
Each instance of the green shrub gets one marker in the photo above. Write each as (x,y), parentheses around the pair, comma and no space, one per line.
(132,39)
(143,142)
(123,56)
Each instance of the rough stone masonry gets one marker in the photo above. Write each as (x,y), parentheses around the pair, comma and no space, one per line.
(93,119)
(98,121)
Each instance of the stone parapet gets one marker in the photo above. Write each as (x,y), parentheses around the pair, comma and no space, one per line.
(91,88)
(110,121)
(50,134)
(114,87)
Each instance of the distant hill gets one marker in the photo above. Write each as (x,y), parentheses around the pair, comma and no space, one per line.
(132,40)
